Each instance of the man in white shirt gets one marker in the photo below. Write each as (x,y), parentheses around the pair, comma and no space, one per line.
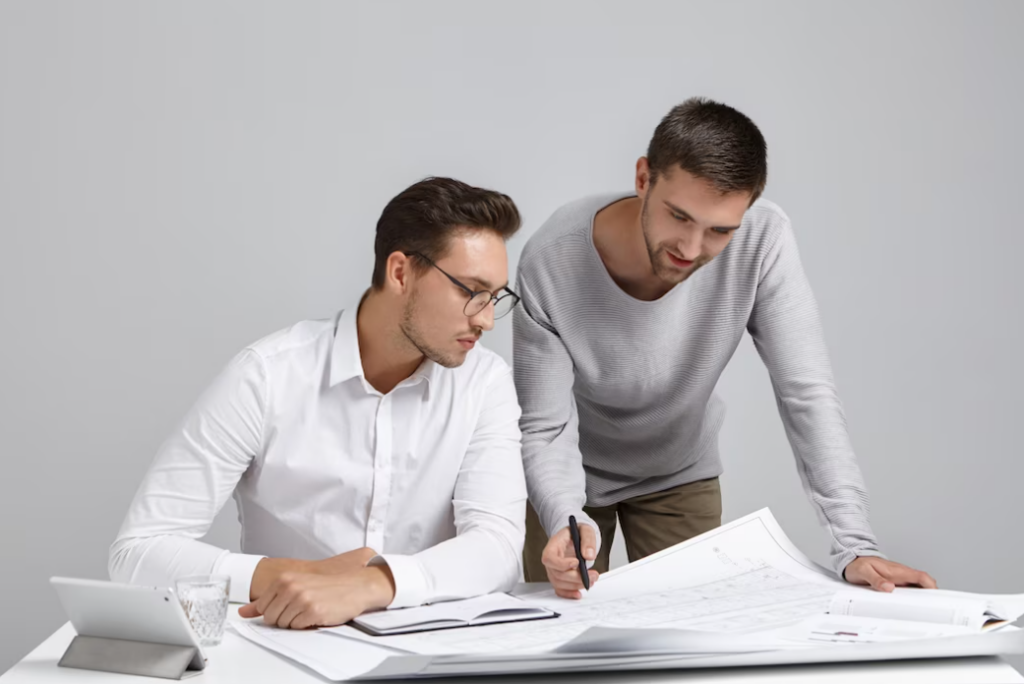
(374,457)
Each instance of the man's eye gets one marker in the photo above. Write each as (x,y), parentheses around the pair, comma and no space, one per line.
(677,217)
(721,231)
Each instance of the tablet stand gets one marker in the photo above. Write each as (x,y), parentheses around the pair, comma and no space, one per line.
(129,657)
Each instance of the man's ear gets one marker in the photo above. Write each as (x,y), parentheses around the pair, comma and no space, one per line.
(398,272)
(643,177)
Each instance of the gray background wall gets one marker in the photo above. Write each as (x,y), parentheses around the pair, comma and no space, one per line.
(179,179)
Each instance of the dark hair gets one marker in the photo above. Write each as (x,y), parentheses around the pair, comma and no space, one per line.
(424,216)
(712,141)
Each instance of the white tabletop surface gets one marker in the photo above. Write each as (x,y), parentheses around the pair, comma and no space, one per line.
(236,661)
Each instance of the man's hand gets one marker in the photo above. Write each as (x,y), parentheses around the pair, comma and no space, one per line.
(559,560)
(303,600)
(270,569)
(343,562)
(885,575)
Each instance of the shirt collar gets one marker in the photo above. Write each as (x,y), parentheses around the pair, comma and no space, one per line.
(345,360)
(346,363)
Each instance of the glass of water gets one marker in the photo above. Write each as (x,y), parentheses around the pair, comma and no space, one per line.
(205,600)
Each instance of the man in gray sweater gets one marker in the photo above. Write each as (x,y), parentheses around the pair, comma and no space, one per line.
(632,305)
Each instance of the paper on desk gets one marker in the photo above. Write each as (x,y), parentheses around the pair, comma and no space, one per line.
(677,641)
(850,629)
(334,658)
(741,577)
(1006,641)
(341,659)
(1000,606)
(917,606)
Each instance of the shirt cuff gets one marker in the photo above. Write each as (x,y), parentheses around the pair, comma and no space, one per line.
(239,567)
(411,586)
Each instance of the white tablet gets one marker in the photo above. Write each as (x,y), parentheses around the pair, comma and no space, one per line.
(111,610)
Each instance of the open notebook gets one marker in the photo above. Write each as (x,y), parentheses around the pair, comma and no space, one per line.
(482,610)
(973,612)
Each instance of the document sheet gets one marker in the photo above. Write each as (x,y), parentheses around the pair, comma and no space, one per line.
(740,594)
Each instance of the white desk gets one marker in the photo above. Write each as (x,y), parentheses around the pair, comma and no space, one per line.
(237,661)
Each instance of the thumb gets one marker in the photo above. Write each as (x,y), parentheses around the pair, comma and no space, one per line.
(249,610)
(588,542)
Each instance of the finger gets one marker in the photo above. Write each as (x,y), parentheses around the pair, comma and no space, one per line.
(568,593)
(274,610)
(560,563)
(249,610)
(903,576)
(568,576)
(289,614)
(588,542)
(567,586)
(266,597)
(559,547)
(575,588)
(561,543)
(304,620)
(572,582)
(573,578)
(876,580)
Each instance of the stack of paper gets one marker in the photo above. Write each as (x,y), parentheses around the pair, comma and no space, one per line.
(742,594)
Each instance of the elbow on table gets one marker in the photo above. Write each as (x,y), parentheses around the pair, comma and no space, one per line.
(122,559)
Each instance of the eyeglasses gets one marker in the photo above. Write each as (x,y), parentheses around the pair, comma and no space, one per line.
(478,299)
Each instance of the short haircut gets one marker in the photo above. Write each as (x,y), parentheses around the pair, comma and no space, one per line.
(423,218)
(714,142)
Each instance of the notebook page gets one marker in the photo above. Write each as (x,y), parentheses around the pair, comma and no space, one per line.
(464,611)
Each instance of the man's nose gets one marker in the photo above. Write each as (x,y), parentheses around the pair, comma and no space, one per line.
(484,319)
(691,243)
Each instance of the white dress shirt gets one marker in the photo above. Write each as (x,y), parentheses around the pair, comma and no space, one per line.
(429,475)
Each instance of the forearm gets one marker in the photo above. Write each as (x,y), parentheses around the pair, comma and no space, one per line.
(544,378)
(834,485)
(192,476)
(270,569)
(555,478)
(557,486)
(787,332)
(474,563)
(160,560)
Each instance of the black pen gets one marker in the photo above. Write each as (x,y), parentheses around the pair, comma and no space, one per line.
(574,532)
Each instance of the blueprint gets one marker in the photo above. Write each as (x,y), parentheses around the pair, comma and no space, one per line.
(740,594)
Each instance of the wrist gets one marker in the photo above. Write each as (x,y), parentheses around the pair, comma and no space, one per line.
(380,584)
(848,566)
(270,569)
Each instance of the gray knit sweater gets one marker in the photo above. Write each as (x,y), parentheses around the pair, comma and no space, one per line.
(618,394)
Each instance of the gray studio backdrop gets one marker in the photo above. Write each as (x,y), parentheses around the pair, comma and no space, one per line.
(178,179)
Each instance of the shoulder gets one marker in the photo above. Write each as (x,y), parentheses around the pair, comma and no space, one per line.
(483,367)
(566,231)
(768,217)
(305,339)
(763,226)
